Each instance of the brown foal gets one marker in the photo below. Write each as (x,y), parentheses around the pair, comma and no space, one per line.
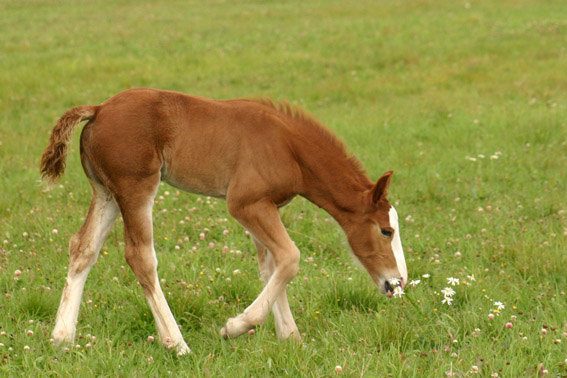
(255,154)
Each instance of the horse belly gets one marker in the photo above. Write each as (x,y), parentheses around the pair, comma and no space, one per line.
(199,170)
(198,184)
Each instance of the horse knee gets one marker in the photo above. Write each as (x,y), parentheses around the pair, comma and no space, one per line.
(289,265)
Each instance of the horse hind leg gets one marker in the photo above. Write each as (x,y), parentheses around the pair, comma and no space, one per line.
(84,248)
(136,208)
(285,324)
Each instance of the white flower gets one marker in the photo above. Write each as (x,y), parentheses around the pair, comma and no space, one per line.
(471,277)
(452,281)
(447,300)
(398,292)
(448,292)
(499,305)
(426,275)
(394,281)
(414,283)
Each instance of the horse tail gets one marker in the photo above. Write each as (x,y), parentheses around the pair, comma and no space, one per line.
(53,159)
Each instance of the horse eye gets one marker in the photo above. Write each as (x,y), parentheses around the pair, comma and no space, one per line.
(388,232)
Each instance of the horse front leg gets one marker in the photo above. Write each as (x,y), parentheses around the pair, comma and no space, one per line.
(285,324)
(262,220)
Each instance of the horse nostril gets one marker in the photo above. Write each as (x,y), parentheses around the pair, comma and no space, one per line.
(388,287)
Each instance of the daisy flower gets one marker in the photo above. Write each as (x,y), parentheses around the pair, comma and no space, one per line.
(447,300)
(414,283)
(453,281)
(398,292)
(394,281)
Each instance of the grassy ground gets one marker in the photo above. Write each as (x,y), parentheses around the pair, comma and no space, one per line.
(464,100)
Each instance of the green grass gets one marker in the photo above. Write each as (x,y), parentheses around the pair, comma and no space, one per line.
(424,87)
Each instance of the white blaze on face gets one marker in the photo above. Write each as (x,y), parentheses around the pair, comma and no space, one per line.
(397,245)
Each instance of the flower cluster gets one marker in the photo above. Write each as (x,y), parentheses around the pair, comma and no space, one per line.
(398,291)
(448,294)
(494,156)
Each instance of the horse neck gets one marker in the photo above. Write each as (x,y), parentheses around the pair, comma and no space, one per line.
(331,179)
(336,185)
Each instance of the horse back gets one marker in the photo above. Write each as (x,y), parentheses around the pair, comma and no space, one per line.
(200,145)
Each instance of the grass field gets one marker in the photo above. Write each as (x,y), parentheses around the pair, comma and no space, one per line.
(466,101)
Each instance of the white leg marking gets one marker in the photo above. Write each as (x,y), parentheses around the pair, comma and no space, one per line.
(168,330)
(84,248)
(285,324)
(258,311)
(68,312)
(397,245)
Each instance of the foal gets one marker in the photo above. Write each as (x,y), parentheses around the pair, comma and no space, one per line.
(255,154)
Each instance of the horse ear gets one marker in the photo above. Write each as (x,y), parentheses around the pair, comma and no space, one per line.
(380,190)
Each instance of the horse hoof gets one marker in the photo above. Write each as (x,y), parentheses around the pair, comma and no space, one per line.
(183,349)
(224,333)
(62,337)
(296,337)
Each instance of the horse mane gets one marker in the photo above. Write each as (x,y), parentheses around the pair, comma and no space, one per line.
(317,129)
